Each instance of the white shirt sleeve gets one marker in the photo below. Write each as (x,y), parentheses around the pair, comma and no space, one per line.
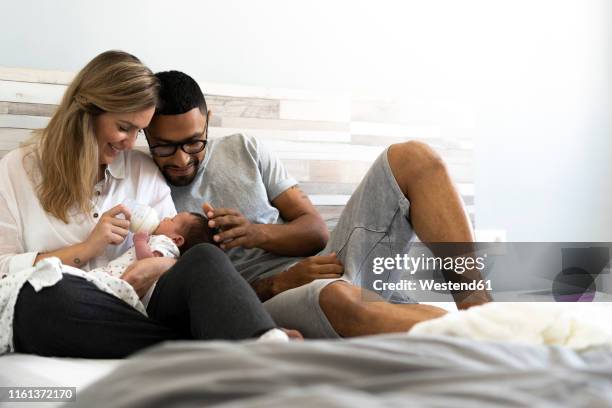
(164,245)
(152,187)
(12,256)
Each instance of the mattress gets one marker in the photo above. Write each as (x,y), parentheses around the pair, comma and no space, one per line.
(24,370)
(375,371)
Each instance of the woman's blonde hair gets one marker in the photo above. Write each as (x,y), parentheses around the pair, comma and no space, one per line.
(114,81)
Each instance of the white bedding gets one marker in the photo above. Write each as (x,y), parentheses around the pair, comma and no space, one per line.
(24,370)
(578,326)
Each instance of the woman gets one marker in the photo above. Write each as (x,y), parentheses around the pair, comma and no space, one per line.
(58,199)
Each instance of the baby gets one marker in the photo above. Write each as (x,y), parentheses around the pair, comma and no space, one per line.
(173,237)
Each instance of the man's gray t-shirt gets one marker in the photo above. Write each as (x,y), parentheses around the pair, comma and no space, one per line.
(238,172)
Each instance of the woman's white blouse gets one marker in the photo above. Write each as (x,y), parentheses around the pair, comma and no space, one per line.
(26,229)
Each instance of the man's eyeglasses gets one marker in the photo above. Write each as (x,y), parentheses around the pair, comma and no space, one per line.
(190,147)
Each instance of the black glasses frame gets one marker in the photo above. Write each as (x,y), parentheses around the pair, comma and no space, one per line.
(182,145)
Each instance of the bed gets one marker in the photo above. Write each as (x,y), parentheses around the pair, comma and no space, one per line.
(375,371)
(388,370)
(326,140)
(23,370)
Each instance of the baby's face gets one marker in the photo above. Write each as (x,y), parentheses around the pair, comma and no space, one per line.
(177,225)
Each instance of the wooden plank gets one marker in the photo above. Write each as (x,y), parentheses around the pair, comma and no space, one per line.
(453,113)
(298,169)
(23,121)
(249,91)
(36,75)
(14,136)
(329,199)
(209,88)
(282,142)
(328,188)
(227,106)
(347,189)
(33,109)
(324,151)
(435,142)
(449,151)
(30,92)
(334,110)
(337,171)
(266,135)
(4,107)
(283,124)
(305,166)
(331,215)
(346,171)
(395,130)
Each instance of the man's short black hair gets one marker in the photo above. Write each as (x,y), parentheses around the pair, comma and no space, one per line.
(178,93)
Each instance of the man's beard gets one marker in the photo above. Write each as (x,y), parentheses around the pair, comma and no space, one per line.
(180,181)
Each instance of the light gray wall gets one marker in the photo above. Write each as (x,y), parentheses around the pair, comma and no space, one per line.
(536,74)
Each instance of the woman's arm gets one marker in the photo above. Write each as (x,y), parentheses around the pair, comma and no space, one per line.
(108,231)
(74,255)
(12,256)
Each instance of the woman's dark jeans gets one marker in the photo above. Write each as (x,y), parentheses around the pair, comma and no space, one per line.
(201,297)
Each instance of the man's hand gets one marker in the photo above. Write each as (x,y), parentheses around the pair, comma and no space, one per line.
(236,229)
(303,272)
(307,270)
(142,274)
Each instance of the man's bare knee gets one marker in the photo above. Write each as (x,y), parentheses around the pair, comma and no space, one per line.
(341,302)
(411,161)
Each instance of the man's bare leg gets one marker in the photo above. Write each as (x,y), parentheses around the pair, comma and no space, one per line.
(437,214)
(350,315)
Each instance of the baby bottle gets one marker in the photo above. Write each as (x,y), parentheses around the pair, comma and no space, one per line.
(144,218)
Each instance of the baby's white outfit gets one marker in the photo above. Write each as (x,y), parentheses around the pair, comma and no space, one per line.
(110,274)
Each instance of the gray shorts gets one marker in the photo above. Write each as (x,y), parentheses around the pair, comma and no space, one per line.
(374,223)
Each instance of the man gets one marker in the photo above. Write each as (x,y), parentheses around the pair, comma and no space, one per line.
(267,224)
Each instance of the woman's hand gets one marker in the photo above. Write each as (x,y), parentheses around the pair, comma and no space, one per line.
(142,274)
(109,230)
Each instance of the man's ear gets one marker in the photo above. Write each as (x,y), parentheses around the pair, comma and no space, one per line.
(208,116)
(179,240)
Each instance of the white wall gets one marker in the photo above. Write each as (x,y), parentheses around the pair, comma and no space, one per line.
(536,73)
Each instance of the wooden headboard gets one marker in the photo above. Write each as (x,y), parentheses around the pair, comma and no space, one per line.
(326,140)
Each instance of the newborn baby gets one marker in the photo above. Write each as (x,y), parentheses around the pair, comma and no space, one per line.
(173,237)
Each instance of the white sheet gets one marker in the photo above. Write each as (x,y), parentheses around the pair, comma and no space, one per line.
(23,370)
(575,325)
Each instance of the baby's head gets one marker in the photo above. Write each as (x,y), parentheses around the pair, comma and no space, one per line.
(186,230)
